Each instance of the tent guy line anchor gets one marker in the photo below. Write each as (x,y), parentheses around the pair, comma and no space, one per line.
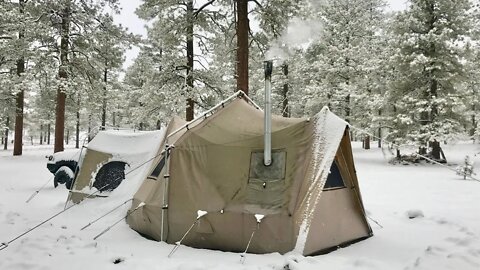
(200,214)
(118,221)
(35,193)
(376,222)
(243,256)
(4,245)
(104,215)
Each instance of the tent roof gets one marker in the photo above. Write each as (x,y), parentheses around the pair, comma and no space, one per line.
(236,122)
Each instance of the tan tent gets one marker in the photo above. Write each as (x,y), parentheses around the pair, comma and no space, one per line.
(309,196)
(110,156)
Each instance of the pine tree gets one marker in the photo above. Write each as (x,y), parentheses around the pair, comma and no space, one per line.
(346,55)
(177,26)
(430,62)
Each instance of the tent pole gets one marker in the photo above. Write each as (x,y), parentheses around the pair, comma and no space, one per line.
(166,178)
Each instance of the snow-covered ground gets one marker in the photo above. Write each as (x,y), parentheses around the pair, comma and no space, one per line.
(446,237)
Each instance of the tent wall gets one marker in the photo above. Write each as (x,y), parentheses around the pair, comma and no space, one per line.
(339,217)
(92,162)
(217,178)
(148,219)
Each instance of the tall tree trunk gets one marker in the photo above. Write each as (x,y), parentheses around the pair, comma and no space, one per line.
(242,45)
(77,124)
(104,100)
(366,142)
(62,74)
(347,108)
(474,123)
(41,134)
(285,107)
(19,100)
(380,131)
(7,124)
(68,136)
(189,112)
(89,135)
(49,127)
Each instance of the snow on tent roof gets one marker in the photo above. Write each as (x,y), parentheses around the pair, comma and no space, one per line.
(136,149)
(125,142)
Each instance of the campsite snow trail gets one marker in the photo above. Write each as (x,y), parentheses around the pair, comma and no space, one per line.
(446,237)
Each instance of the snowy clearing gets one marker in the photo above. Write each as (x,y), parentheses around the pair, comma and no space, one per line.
(430,219)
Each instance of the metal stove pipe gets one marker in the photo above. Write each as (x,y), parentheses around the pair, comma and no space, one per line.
(267,152)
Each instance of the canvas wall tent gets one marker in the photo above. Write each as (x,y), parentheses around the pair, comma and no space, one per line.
(215,165)
(110,156)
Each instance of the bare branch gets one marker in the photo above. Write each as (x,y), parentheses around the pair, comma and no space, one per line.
(195,14)
(256,2)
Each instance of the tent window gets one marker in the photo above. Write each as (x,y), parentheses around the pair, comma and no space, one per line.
(158,168)
(110,176)
(334,179)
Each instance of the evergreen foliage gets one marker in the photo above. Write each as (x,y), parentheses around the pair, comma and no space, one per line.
(410,76)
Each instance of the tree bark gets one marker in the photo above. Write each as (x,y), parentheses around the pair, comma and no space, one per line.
(19,99)
(5,143)
(67,137)
(62,74)
(104,100)
(242,45)
(285,107)
(380,131)
(49,127)
(77,124)
(347,108)
(474,123)
(89,135)
(366,142)
(189,112)
(41,134)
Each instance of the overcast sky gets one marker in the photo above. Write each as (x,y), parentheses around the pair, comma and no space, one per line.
(135,25)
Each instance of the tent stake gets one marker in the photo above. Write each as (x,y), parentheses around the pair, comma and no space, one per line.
(200,214)
(243,256)
(104,215)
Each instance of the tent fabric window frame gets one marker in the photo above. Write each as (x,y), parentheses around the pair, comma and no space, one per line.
(332,173)
(158,169)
